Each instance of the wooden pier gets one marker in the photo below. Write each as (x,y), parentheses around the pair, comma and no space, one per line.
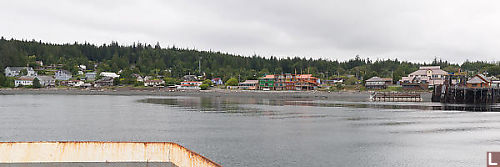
(395,97)
(464,95)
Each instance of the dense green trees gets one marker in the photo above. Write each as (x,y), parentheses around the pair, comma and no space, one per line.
(171,81)
(2,80)
(36,83)
(175,62)
(232,82)
(7,82)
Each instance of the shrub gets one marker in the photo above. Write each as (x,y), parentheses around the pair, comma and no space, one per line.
(207,81)
(232,82)
(339,86)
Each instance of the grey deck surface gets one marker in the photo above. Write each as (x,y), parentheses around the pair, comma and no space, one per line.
(90,164)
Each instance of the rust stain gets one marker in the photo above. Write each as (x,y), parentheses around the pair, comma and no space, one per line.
(96,151)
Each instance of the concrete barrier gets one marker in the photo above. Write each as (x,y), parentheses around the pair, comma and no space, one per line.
(35,152)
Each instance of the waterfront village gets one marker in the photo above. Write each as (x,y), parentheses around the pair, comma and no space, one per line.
(425,78)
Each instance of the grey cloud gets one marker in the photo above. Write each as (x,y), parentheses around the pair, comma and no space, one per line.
(453,30)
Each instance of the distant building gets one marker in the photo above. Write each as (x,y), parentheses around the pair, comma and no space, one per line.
(190,78)
(24,81)
(109,74)
(82,67)
(495,84)
(430,75)
(16,71)
(479,81)
(73,83)
(288,82)
(28,81)
(86,85)
(104,81)
(267,82)
(46,80)
(378,83)
(334,81)
(217,81)
(249,85)
(90,76)
(306,82)
(40,63)
(194,85)
(154,83)
(63,75)
(148,78)
(138,77)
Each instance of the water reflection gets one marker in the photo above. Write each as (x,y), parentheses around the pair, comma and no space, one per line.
(275,131)
(237,105)
(205,104)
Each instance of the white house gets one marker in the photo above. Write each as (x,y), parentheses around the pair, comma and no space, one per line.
(140,79)
(334,81)
(378,83)
(47,80)
(75,83)
(154,82)
(28,81)
(24,81)
(15,71)
(217,81)
(63,75)
(432,75)
(82,67)
(495,84)
(109,74)
(90,76)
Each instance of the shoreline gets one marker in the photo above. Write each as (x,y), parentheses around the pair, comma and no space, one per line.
(198,93)
(248,93)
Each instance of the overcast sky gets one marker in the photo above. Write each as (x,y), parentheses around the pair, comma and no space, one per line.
(412,30)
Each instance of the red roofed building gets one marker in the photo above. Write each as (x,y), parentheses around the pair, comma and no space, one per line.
(190,85)
(479,81)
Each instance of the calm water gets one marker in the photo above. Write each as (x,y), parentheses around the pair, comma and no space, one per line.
(265,132)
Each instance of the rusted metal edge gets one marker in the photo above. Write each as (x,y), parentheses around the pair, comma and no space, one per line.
(124,142)
(195,153)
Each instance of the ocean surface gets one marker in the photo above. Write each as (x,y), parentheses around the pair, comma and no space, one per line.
(266,131)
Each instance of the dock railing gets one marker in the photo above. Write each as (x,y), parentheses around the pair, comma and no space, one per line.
(396,97)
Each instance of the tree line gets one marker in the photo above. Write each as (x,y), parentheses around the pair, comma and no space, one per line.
(147,59)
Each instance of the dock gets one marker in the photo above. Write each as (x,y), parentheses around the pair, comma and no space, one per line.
(395,97)
(463,95)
